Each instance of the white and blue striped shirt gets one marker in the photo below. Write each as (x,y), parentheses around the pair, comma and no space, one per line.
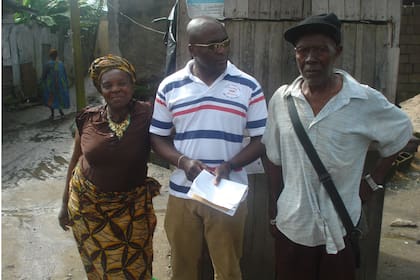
(210,122)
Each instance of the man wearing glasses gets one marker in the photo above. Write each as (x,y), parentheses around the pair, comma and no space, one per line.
(211,105)
(342,118)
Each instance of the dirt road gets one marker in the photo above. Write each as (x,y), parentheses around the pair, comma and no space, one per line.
(35,154)
(400,246)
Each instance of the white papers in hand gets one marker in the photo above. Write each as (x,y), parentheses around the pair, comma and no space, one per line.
(224,197)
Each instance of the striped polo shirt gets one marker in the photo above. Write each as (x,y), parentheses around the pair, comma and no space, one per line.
(209,122)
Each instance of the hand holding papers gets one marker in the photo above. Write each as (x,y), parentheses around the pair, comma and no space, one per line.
(224,197)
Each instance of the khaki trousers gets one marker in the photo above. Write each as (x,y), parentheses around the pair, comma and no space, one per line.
(189,223)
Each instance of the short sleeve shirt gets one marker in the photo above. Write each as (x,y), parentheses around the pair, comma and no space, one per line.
(110,163)
(209,122)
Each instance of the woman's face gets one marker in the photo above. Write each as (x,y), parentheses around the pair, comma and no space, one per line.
(116,88)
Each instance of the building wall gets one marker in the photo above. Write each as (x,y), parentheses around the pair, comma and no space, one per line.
(24,51)
(134,35)
(409,70)
(371,30)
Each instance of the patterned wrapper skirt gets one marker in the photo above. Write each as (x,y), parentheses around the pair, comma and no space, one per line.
(113,230)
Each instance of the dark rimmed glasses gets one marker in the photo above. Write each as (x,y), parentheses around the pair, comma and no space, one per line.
(214,46)
(317,50)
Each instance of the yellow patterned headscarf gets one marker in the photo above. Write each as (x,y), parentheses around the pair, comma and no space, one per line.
(105,63)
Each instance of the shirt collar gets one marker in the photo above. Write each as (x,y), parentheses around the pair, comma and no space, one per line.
(231,70)
(351,87)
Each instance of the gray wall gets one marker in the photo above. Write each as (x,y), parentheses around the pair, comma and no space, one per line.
(409,71)
(130,36)
(370,29)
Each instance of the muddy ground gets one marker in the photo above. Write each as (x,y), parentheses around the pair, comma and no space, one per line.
(35,154)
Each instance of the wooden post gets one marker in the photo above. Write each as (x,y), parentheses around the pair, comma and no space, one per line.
(77,54)
(369,245)
(258,260)
(258,248)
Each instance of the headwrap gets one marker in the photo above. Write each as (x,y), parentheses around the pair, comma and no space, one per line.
(53,53)
(105,63)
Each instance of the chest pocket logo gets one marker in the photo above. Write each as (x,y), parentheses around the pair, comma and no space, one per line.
(231,91)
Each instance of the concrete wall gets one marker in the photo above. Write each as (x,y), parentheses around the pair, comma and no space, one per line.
(131,35)
(409,70)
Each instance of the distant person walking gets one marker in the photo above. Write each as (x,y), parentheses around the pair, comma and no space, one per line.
(55,85)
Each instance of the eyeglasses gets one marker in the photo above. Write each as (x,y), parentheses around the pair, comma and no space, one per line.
(214,46)
(317,50)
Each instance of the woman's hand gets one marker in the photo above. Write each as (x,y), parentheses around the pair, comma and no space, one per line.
(63,217)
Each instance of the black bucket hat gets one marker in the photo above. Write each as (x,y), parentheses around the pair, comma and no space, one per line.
(326,24)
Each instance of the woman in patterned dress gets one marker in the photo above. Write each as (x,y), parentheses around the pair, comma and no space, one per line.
(107,199)
(55,85)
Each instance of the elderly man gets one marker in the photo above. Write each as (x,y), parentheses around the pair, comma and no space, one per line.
(210,105)
(342,118)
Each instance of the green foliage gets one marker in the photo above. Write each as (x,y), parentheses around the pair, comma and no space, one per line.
(55,14)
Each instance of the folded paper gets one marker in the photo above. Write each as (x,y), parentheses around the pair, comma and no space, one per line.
(224,197)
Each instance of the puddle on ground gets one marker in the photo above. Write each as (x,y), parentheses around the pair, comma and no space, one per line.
(61,160)
(44,168)
(36,151)
(399,236)
(41,138)
(408,177)
(27,213)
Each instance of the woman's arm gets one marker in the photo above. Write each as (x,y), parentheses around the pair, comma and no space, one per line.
(63,217)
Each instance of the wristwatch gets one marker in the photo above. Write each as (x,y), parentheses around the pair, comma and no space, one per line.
(372,184)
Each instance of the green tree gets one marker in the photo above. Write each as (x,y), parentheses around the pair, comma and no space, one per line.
(55,14)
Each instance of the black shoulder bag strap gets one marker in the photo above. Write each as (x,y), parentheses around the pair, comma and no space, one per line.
(325,179)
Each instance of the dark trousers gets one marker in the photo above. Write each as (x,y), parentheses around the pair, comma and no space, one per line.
(298,262)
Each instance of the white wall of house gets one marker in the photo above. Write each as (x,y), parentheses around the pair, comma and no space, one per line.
(28,44)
